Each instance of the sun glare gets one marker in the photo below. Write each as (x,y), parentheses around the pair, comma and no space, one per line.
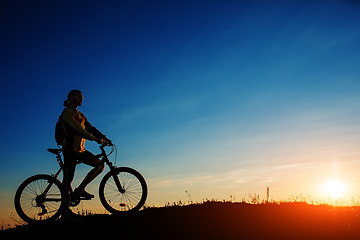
(334,189)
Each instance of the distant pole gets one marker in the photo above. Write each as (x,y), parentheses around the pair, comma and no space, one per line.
(267,194)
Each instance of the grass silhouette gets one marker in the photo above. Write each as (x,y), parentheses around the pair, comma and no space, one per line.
(212,219)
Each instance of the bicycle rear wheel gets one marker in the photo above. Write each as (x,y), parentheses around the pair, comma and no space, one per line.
(39,199)
(132,196)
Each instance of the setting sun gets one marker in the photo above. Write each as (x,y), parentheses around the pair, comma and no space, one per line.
(334,189)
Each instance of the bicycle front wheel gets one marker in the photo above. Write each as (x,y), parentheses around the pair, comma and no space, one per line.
(39,199)
(130,197)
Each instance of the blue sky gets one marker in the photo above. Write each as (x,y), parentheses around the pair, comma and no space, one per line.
(194,94)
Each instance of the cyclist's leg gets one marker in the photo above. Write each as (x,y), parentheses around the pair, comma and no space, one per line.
(90,159)
(68,175)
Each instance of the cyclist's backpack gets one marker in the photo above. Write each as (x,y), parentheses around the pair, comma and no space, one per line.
(59,132)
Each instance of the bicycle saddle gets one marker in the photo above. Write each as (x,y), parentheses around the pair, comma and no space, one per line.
(54,151)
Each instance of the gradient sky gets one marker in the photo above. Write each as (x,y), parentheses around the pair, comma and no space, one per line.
(215,98)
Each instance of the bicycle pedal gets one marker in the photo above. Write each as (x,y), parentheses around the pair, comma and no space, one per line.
(86,198)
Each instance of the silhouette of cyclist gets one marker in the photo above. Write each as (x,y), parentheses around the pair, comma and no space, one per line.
(77,129)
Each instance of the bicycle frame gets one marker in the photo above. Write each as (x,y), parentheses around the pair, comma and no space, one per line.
(104,159)
(41,197)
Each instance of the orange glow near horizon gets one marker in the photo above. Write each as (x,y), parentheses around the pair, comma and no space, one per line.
(334,189)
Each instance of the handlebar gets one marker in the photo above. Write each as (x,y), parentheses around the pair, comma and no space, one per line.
(104,142)
(107,143)
(103,152)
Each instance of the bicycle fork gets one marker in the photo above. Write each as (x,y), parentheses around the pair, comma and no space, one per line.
(118,185)
(115,177)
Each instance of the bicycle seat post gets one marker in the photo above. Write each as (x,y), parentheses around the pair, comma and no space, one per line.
(59,160)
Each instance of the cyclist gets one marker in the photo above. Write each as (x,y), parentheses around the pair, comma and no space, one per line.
(76,130)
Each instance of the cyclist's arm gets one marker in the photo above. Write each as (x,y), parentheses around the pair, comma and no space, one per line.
(93,130)
(69,118)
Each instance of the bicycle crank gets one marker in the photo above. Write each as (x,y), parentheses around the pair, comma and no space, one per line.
(74,200)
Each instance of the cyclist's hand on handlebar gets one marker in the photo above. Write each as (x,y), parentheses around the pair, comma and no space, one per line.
(105,141)
(108,141)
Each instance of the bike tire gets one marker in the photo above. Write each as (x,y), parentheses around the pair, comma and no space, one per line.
(132,199)
(28,207)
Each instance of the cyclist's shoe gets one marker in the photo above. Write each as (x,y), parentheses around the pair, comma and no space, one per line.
(70,215)
(86,195)
(83,194)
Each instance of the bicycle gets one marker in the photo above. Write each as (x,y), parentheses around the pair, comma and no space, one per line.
(40,197)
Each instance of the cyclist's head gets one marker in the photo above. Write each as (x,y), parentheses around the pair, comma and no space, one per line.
(75,97)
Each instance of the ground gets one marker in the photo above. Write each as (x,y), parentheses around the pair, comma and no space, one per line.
(212,220)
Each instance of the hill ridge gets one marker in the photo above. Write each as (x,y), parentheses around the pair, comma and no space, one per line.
(213,220)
